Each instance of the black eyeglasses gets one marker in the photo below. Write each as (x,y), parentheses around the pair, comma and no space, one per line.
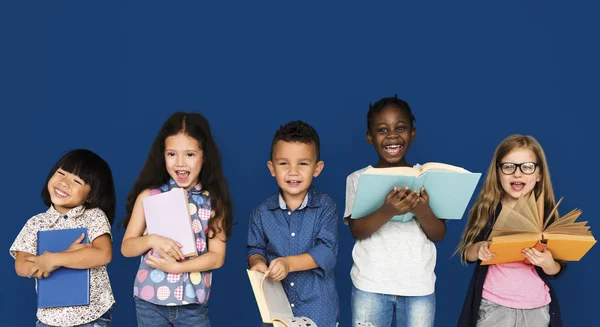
(509,168)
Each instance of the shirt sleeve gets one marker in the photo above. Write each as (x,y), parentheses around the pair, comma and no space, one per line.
(26,241)
(351,185)
(324,250)
(256,237)
(97,224)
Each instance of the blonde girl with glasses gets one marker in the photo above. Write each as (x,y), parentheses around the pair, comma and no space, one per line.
(510,294)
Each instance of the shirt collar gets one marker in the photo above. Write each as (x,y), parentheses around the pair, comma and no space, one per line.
(194,190)
(53,214)
(310,200)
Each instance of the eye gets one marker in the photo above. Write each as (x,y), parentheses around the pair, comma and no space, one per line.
(304,164)
(191,154)
(282,164)
(60,173)
(401,128)
(382,130)
(78,182)
(170,154)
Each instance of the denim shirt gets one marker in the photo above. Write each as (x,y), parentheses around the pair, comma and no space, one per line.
(276,231)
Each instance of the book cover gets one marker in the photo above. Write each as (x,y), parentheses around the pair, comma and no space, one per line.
(167,215)
(450,188)
(524,226)
(64,286)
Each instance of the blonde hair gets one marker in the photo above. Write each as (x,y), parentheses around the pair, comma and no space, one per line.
(492,192)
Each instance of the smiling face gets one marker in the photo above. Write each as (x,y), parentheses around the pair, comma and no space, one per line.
(294,164)
(183,160)
(67,190)
(391,132)
(518,184)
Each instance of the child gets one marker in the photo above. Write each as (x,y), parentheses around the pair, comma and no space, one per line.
(293,234)
(394,262)
(511,294)
(80,193)
(170,290)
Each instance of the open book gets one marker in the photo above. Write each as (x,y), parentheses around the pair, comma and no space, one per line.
(450,188)
(167,215)
(273,303)
(524,226)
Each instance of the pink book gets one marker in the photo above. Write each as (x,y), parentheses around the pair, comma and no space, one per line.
(167,215)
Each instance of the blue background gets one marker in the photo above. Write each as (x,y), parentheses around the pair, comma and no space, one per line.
(105,76)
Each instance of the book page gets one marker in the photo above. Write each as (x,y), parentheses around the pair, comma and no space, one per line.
(442,167)
(276,299)
(407,171)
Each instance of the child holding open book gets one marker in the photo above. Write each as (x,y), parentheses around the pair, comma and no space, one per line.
(169,289)
(292,235)
(510,294)
(394,262)
(80,193)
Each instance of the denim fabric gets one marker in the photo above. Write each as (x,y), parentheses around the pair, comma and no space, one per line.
(377,310)
(153,315)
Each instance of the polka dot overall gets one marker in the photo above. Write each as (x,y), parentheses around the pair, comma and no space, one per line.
(161,288)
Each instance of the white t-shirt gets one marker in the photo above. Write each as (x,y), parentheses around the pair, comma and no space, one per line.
(397,259)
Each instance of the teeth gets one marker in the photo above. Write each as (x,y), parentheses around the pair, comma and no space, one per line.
(393,146)
(60,192)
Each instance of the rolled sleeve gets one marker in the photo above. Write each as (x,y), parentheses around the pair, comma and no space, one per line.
(256,237)
(324,251)
(26,241)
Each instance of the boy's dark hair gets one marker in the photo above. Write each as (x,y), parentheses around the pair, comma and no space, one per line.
(154,172)
(390,101)
(95,172)
(297,131)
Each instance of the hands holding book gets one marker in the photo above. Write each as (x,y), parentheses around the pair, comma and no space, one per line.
(277,270)
(164,253)
(45,264)
(542,259)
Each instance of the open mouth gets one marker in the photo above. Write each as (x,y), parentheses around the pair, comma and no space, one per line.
(60,193)
(517,186)
(182,175)
(393,149)
(293,183)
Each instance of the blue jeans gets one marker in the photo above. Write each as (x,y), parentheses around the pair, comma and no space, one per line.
(377,310)
(153,315)
(104,321)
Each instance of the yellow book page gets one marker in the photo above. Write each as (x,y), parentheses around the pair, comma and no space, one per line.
(405,171)
(438,166)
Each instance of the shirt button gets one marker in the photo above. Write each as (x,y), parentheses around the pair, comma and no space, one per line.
(293,234)
(65,216)
(292,305)
(289,213)
(292,284)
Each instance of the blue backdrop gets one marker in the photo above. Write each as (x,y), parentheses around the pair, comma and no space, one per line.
(105,76)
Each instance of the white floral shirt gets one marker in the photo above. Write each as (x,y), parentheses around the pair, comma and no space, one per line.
(101,296)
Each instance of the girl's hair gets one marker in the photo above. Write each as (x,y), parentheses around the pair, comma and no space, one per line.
(154,172)
(386,102)
(95,172)
(485,206)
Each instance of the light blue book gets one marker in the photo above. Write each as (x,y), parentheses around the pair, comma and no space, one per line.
(450,188)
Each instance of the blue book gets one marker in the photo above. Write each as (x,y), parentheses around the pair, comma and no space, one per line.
(65,286)
(450,188)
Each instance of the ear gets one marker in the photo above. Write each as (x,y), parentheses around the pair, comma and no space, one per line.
(318,168)
(271,168)
(369,137)
(413,134)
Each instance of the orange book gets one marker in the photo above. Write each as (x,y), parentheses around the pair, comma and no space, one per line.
(524,227)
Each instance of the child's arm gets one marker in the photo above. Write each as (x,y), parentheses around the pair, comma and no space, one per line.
(479,251)
(22,266)
(544,260)
(98,254)
(135,244)
(434,228)
(213,259)
(397,202)
(321,256)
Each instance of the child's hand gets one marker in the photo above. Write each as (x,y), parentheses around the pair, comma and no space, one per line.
(165,262)
(422,206)
(400,201)
(260,267)
(43,265)
(76,245)
(542,259)
(484,252)
(168,247)
(278,269)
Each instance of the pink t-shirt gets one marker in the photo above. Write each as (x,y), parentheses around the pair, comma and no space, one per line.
(515,285)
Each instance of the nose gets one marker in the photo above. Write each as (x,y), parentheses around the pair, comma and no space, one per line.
(180,161)
(293,169)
